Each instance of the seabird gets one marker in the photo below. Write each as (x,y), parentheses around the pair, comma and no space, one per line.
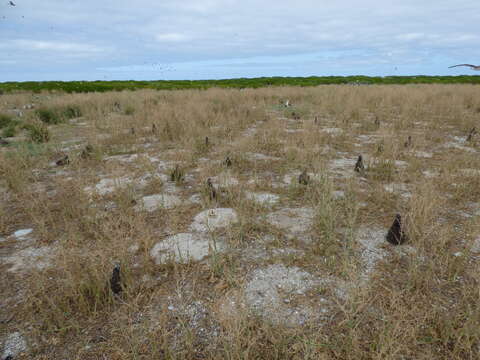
(11,3)
(474,67)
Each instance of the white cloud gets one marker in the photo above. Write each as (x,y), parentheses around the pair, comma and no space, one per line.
(35,45)
(172,37)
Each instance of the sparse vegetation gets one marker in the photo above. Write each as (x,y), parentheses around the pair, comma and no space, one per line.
(298,267)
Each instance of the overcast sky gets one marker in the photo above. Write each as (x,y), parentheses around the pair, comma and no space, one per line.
(211,39)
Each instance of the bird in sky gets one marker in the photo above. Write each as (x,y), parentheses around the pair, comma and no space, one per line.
(11,3)
(474,67)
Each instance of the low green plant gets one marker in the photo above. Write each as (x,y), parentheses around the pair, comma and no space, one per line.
(10,130)
(38,132)
(48,116)
(129,110)
(71,112)
(5,120)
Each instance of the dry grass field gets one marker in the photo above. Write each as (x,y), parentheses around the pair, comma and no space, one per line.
(239,258)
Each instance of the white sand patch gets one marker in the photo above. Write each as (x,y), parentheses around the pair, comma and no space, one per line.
(30,258)
(423,154)
(294,222)
(398,188)
(107,186)
(368,139)
(214,219)
(263,198)
(372,252)
(225,180)
(271,292)
(258,156)
(332,131)
(183,248)
(158,201)
(401,163)
(343,166)
(14,345)
(430,173)
(476,245)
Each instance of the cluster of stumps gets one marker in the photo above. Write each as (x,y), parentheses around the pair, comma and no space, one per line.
(395,236)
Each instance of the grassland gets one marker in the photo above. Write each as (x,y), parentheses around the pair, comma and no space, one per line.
(282,270)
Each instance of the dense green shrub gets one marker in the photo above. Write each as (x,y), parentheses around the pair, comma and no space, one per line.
(102,86)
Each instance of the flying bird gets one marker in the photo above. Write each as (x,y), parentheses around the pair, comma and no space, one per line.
(11,3)
(474,67)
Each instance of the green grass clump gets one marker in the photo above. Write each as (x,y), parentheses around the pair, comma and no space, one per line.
(58,115)
(10,130)
(5,120)
(71,112)
(129,110)
(48,116)
(37,132)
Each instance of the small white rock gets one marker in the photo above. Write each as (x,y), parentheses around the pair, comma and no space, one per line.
(22,233)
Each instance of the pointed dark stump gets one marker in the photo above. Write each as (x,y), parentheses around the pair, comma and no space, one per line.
(396,234)
(63,161)
(212,193)
(359,166)
(409,142)
(87,152)
(115,280)
(471,134)
(304,179)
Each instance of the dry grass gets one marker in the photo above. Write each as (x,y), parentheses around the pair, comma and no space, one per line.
(416,301)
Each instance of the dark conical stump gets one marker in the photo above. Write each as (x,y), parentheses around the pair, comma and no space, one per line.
(212,193)
(315,120)
(471,134)
(154,129)
(177,174)
(115,280)
(228,162)
(87,152)
(380,148)
(63,161)
(304,179)
(359,166)
(396,234)
(409,142)
(207,141)
(132,131)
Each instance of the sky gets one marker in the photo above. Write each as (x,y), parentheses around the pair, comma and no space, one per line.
(218,39)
